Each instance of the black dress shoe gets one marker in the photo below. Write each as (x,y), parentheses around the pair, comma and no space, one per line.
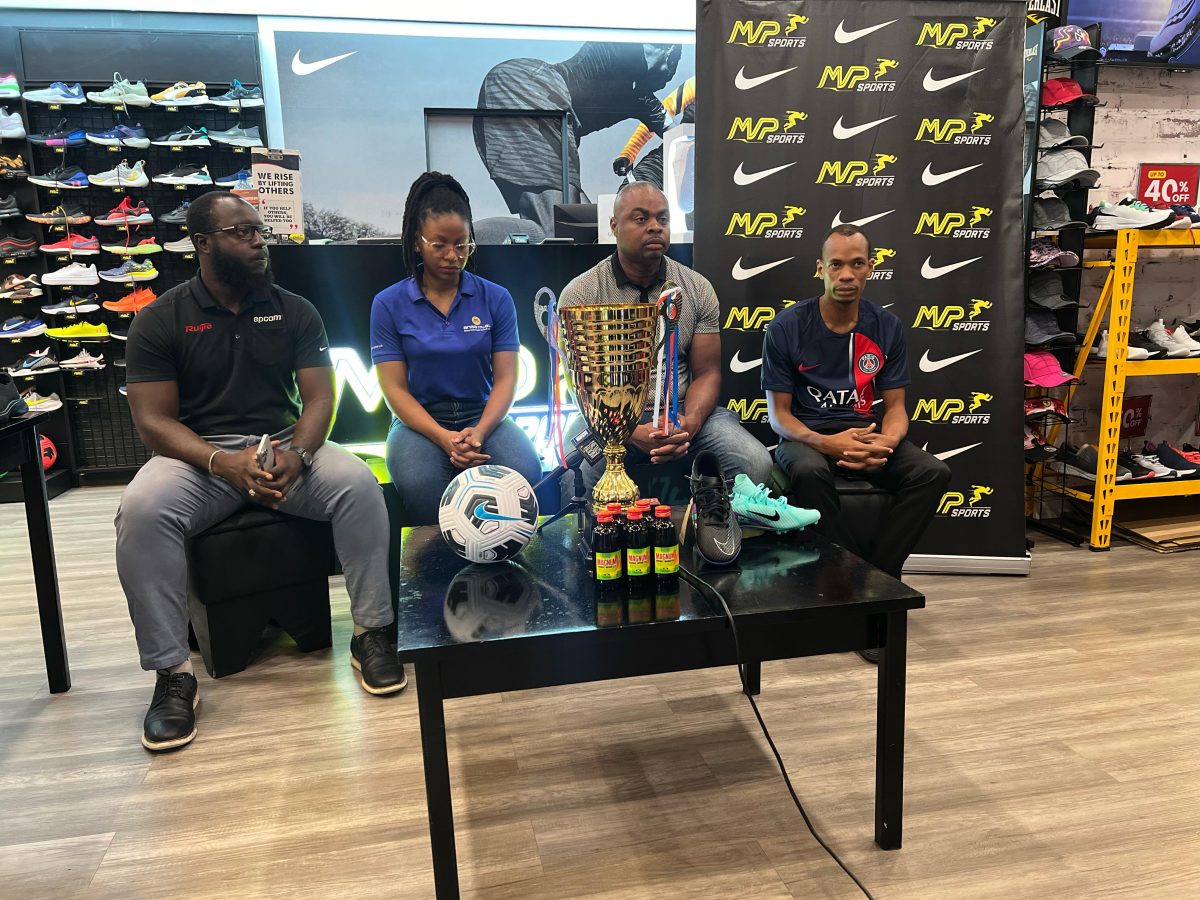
(171,718)
(871,655)
(379,671)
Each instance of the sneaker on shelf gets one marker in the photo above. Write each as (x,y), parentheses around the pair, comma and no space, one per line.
(1157,333)
(1178,27)
(131,271)
(1115,216)
(9,208)
(15,284)
(12,402)
(9,89)
(58,94)
(1138,471)
(122,175)
(119,334)
(12,247)
(232,179)
(127,212)
(122,92)
(40,402)
(71,178)
(20,327)
(73,304)
(170,721)
(189,173)
(13,167)
(177,216)
(83,331)
(11,126)
(717,535)
(1171,456)
(1036,449)
(39,362)
(134,301)
(61,135)
(74,245)
(1178,220)
(1181,337)
(120,136)
(75,273)
(143,247)
(1183,209)
(239,95)
(374,656)
(1151,463)
(183,137)
(755,508)
(238,137)
(1141,347)
(183,245)
(1081,463)
(61,215)
(182,93)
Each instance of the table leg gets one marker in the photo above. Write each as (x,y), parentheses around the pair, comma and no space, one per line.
(889,733)
(45,573)
(752,672)
(437,780)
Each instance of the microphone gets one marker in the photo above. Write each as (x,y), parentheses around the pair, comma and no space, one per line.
(585,448)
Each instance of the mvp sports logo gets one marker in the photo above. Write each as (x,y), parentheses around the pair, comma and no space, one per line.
(957,131)
(968,225)
(860,78)
(972,34)
(858,172)
(954,318)
(766,224)
(766,32)
(766,129)
(954,410)
(752,318)
(958,505)
(749,410)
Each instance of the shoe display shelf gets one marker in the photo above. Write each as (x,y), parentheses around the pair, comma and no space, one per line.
(1116,298)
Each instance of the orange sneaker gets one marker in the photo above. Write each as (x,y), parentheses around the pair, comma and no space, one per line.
(132,302)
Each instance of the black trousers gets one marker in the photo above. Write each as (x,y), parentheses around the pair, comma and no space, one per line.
(918,480)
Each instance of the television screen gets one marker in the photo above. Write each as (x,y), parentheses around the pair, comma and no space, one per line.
(1151,32)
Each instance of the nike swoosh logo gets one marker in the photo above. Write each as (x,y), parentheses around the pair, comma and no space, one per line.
(933,365)
(837,219)
(322,349)
(740,365)
(842,36)
(744,178)
(947,454)
(772,517)
(302,68)
(930,271)
(887,305)
(841,132)
(931,180)
(482,512)
(804,368)
(936,84)
(741,273)
(745,83)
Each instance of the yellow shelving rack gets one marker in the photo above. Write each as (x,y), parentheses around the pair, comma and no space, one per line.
(1117,297)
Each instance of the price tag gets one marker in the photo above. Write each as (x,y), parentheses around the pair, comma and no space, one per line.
(113,149)
(239,149)
(119,107)
(55,106)
(58,150)
(1168,183)
(175,148)
(124,315)
(58,227)
(172,109)
(189,256)
(82,402)
(63,259)
(53,192)
(183,228)
(9,260)
(118,190)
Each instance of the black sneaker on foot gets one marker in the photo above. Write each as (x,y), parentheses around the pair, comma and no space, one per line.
(379,671)
(718,535)
(171,718)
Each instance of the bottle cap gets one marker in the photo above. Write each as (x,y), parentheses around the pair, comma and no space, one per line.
(634,515)
(662,512)
(614,508)
(604,517)
(643,503)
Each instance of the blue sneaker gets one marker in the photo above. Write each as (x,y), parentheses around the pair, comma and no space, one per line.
(121,136)
(239,95)
(19,326)
(57,94)
(232,180)
(756,508)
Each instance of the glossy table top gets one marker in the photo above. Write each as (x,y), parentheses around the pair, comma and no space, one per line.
(547,589)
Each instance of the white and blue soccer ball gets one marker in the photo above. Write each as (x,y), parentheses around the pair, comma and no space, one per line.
(488,513)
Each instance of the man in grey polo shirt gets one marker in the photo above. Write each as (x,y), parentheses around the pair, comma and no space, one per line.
(635,274)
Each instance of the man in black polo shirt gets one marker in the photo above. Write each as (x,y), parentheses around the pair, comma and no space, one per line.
(213,364)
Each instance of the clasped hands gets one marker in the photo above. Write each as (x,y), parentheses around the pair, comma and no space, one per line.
(859,449)
(464,447)
(267,487)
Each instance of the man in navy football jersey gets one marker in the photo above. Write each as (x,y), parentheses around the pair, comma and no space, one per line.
(834,370)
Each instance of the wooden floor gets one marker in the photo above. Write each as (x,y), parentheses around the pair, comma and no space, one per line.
(1053,751)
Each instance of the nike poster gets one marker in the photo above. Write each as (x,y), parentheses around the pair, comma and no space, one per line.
(906,119)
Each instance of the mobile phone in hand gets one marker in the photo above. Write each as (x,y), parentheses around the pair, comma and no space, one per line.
(266,453)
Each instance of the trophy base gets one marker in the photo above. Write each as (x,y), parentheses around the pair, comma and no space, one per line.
(614,486)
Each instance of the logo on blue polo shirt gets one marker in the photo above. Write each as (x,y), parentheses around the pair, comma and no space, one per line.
(477,325)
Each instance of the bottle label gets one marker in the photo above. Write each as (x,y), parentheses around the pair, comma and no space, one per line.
(666,560)
(637,561)
(608,566)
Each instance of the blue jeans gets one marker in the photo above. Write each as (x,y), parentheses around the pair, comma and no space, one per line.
(421,470)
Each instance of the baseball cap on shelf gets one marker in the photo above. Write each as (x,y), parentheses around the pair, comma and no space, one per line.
(1064,168)
(1043,370)
(1036,448)
(1046,291)
(1070,42)
(1046,408)
(1064,91)
(1045,254)
(1055,133)
(1051,214)
(1041,330)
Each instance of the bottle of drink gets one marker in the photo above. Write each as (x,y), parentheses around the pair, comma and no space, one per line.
(607,548)
(639,566)
(666,544)
(646,506)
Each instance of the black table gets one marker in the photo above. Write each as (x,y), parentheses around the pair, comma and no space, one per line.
(537,622)
(20,445)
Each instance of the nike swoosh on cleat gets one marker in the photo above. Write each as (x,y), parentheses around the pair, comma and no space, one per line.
(744,178)
(930,271)
(947,454)
(482,512)
(739,365)
(932,365)
(741,273)
(936,84)
(929,179)
(300,67)
(842,132)
(744,83)
(842,36)
(837,219)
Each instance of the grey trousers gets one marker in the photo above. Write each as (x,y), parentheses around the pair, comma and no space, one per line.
(169,501)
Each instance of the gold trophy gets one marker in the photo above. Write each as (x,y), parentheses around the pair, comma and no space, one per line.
(609,351)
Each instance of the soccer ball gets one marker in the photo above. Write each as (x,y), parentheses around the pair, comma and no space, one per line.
(486,602)
(49,453)
(488,513)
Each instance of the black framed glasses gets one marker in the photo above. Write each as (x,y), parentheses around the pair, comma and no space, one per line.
(466,248)
(244,231)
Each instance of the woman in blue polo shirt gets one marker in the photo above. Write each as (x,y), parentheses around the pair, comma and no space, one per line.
(444,343)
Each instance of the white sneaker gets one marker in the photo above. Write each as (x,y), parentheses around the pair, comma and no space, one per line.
(36,401)
(1159,336)
(1181,337)
(185,245)
(1152,463)
(124,175)
(122,92)
(75,273)
(11,125)
(1131,352)
(83,360)
(1113,217)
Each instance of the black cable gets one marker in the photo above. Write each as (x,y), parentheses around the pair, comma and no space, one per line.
(703,585)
